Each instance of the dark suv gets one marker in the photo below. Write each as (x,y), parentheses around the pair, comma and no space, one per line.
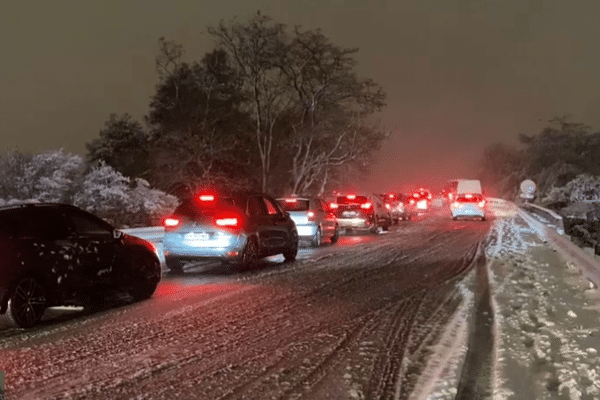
(362,212)
(237,228)
(57,254)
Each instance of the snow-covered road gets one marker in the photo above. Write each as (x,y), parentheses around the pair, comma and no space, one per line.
(372,317)
(352,320)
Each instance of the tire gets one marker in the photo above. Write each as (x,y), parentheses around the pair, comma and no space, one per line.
(249,254)
(317,239)
(145,283)
(290,253)
(27,304)
(336,236)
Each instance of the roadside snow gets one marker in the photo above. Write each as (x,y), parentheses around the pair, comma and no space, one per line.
(546,317)
(547,330)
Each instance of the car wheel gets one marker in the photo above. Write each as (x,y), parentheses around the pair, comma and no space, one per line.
(249,255)
(27,304)
(144,284)
(316,241)
(290,253)
(336,235)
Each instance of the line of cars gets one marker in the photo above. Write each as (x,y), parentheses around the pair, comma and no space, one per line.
(56,254)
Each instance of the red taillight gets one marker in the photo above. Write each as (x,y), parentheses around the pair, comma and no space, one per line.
(171,222)
(207,197)
(333,206)
(230,221)
(291,200)
(311,216)
(366,206)
(469,196)
(351,196)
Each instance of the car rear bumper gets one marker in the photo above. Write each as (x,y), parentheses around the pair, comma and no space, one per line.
(306,231)
(228,248)
(467,211)
(355,223)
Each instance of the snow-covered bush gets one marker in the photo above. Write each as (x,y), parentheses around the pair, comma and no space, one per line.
(112,196)
(56,176)
(46,177)
(583,188)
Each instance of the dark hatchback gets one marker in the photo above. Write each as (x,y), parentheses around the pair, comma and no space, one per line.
(237,229)
(57,254)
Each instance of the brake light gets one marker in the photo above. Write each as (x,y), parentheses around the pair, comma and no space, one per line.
(468,196)
(333,206)
(366,206)
(206,197)
(171,222)
(291,200)
(230,221)
(311,216)
(351,196)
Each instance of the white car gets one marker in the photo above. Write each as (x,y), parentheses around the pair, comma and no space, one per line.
(468,206)
(314,220)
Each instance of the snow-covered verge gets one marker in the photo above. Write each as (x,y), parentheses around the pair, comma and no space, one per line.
(547,330)
(546,313)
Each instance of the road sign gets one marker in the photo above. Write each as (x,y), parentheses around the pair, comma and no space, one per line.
(528,187)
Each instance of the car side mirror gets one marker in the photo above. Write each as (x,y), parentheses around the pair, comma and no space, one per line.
(117,233)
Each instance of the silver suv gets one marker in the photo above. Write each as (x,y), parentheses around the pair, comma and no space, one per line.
(314,220)
(362,213)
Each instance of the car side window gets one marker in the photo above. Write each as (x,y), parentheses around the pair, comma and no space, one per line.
(83,224)
(272,207)
(46,223)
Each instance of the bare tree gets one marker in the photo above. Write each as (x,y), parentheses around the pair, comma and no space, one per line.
(257,48)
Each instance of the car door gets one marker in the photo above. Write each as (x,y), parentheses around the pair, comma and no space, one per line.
(279,224)
(95,247)
(327,218)
(37,235)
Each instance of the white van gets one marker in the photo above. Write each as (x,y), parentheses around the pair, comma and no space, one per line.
(468,201)
(472,186)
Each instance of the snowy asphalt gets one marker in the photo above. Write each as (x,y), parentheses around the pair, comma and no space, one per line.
(371,317)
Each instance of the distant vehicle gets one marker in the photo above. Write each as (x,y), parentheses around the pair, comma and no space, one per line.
(420,200)
(399,209)
(239,228)
(314,220)
(362,213)
(57,254)
(449,192)
(461,186)
(469,186)
(467,205)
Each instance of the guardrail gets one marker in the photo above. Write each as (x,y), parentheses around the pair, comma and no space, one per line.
(548,216)
(586,262)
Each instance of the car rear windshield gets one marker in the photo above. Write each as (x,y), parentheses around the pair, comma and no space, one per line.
(197,208)
(467,198)
(294,204)
(355,200)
